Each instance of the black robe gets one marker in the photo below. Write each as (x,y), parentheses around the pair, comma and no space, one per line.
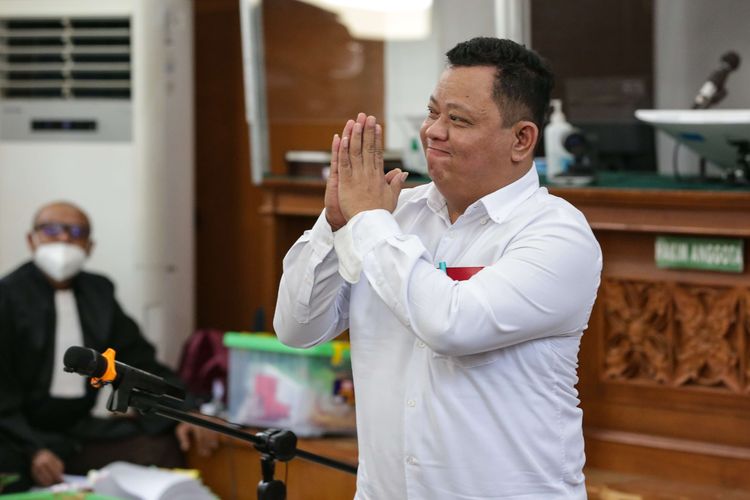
(30,419)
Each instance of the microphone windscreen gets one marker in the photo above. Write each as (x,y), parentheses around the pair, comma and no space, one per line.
(84,361)
(731,59)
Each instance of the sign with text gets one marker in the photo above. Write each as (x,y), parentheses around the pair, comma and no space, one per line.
(709,254)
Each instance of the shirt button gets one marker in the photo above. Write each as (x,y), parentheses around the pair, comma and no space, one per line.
(411,460)
(411,403)
(484,221)
(421,344)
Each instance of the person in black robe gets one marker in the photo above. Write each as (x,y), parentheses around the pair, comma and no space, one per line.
(43,435)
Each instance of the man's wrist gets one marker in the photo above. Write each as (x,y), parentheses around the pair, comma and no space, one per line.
(358,210)
(334,227)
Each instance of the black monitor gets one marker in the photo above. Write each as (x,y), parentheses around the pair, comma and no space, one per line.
(603,108)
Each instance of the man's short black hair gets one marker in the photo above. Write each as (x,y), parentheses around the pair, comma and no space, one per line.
(523,81)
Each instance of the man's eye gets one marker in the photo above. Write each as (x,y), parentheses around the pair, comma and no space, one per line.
(455,118)
(431,113)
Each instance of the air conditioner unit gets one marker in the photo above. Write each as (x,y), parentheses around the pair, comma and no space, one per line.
(96,102)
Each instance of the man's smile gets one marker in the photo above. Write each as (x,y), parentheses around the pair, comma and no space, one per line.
(432,150)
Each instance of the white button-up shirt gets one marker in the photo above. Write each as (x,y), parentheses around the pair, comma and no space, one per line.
(465,389)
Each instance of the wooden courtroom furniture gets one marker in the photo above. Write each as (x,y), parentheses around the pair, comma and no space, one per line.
(665,363)
(233,471)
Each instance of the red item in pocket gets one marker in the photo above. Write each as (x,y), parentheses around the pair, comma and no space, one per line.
(462,273)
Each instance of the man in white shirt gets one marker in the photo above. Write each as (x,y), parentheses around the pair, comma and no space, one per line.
(465,298)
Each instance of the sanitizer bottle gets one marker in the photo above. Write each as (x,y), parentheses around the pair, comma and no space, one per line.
(558,158)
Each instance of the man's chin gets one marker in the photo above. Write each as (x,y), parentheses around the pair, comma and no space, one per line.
(435,171)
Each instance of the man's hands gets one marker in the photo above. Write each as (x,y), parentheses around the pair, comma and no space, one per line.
(333,210)
(356,181)
(46,468)
(204,440)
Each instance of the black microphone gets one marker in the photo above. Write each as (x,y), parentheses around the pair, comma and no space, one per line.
(713,90)
(103,369)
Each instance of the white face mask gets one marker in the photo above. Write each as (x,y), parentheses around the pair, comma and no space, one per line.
(60,261)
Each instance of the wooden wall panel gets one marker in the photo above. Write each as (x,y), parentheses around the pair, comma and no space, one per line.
(228,253)
(318,77)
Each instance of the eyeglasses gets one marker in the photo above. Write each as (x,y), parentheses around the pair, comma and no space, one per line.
(55,229)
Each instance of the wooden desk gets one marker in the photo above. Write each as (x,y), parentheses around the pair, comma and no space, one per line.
(665,364)
(233,471)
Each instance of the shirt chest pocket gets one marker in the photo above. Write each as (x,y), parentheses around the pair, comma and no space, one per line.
(469,360)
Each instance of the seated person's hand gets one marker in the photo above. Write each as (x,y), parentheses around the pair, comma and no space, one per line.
(46,468)
(204,440)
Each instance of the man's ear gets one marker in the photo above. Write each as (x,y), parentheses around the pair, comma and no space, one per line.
(89,247)
(30,242)
(525,135)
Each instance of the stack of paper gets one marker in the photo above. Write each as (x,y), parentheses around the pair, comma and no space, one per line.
(129,481)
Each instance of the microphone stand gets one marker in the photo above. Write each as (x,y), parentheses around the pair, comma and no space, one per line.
(273,444)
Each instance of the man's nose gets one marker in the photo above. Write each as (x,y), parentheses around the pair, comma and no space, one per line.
(64,236)
(437,130)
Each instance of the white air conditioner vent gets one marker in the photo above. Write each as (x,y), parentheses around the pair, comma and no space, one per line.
(65,58)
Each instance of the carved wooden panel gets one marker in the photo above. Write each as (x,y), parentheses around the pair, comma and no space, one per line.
(637,344)
(706,348)
(676,334)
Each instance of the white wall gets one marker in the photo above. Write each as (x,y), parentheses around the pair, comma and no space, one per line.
(690,37)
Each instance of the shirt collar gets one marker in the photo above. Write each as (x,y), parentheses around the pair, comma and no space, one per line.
(497,204)
(502,202)
(429,194)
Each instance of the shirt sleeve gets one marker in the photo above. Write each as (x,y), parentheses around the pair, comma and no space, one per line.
(15,430)
(543,285)
(313,301)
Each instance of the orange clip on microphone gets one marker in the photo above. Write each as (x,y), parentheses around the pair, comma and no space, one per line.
(110,374)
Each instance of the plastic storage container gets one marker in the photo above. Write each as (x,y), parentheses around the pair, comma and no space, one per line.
(308,391)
